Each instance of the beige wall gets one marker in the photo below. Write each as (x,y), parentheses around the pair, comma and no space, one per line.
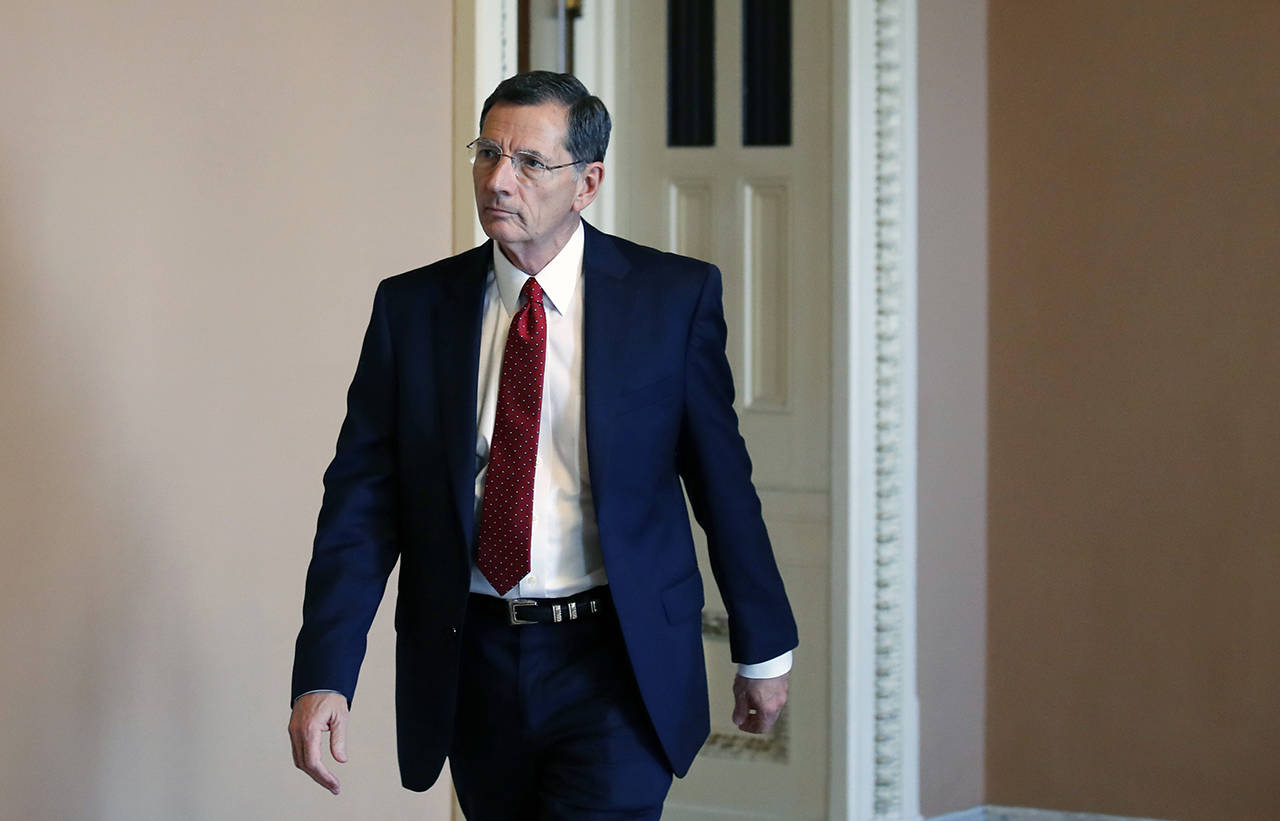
(951,619)
(196,200)
(1134,578)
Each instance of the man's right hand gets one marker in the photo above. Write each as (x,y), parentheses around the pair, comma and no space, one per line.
(314,715)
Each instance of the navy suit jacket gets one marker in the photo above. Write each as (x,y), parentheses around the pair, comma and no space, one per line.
(658,410)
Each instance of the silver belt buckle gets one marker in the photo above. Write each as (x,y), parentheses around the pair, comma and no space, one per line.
(512,604)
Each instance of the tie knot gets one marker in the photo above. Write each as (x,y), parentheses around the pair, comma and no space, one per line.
(532,291)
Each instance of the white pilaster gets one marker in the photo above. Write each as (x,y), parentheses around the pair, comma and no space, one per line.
(875,755)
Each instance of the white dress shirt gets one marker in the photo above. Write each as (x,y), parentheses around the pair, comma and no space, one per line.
(565,556)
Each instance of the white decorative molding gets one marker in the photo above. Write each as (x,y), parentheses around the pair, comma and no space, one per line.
(994,813)
(1030,814)
(894,433)
(971,814)
(875,487)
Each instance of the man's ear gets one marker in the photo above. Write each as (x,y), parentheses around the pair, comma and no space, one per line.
(588,185)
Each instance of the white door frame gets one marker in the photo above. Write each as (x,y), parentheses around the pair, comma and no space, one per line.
(875,737)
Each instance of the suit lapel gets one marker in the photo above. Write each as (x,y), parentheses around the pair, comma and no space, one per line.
(606,303)
(457,350)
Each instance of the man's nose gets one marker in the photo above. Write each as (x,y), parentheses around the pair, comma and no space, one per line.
(502,177)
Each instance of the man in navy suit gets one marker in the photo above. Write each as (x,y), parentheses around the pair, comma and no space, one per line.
(518,430)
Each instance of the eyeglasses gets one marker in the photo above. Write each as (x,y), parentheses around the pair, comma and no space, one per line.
(528,166)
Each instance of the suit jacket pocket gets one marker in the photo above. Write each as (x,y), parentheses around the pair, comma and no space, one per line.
(683,600)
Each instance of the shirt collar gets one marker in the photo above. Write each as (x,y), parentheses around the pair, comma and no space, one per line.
(559,279)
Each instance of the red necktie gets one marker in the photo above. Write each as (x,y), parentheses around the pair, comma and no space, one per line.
(506,511)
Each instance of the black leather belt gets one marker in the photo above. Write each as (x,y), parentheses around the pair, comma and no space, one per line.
(589,604)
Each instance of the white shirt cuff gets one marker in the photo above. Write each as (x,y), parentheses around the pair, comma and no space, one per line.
(767,669)
(309,692)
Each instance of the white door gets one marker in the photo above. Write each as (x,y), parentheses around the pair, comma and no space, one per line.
(763,215)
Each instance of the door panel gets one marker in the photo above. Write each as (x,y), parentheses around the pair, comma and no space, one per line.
(762,214)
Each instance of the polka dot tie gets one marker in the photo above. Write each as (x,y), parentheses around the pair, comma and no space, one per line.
(506,510)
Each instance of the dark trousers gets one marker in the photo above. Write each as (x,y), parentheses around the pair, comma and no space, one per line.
(550,725)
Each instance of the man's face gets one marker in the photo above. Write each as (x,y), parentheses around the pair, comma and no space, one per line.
(531,219)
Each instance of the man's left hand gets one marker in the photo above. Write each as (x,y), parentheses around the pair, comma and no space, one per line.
(757,702)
